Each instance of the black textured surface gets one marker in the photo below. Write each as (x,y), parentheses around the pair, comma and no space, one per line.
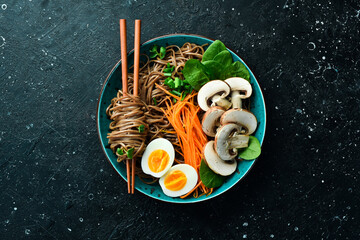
(56,182)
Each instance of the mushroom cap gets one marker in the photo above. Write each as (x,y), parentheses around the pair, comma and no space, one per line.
(206,92)
(210,120)
(242,117)
(215,163)
(240,84)
(223,141)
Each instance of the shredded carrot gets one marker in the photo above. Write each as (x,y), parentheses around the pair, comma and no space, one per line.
(183,117)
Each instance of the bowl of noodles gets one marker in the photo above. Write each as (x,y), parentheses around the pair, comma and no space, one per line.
(179,49)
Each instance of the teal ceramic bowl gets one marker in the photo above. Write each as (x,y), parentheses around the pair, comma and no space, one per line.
(113,83)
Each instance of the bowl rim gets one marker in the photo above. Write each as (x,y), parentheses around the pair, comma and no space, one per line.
(195,200)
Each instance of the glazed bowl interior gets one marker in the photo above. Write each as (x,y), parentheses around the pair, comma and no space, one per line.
(113,84)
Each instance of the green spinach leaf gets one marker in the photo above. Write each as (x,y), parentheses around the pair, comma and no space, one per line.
(195,73)
(208,177)
(213,69)
(214,48)
(236,69)
(224,58)
(252,151)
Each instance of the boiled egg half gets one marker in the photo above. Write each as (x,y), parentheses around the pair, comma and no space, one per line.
(158,157)
(179,180)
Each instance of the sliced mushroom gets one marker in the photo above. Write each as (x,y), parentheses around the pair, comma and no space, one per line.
(228,139)
(211,120)
(240,89)
(242,117)
(215,163)
(214,93)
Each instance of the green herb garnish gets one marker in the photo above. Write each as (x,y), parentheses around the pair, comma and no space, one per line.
(167,74)
(162,52)
(120,151)
(141,128)
(208,177)
(252,151)
(130,153)
(154,52)
(155,102)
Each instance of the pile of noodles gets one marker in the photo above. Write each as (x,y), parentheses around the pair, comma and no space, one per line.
(128,113)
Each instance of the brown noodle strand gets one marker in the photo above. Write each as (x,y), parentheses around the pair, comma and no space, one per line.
(128,113)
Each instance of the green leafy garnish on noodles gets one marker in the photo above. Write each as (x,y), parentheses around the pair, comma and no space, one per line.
(154,52)
(120,151)
(130,153)
(141,128)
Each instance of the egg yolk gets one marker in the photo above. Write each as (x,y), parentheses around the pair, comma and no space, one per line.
(158,160)
(175,180)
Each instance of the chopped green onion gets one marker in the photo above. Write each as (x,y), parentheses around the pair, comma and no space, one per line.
(183,96)
(120,151)
(176,92)
(141,128)
(168,65)
(155,102)
(167,74)
(130,153)
(167,70)
(174,100)
(177,82)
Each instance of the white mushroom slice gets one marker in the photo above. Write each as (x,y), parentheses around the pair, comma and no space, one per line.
(227,140)
(240,89)
(215,163)
(212,94)
(241,117)
(211,120)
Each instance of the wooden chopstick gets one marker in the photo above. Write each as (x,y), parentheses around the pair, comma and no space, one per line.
(137,56)
(123,43)
(124,78)
(136,83)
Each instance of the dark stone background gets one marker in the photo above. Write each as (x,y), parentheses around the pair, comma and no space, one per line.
(56,182)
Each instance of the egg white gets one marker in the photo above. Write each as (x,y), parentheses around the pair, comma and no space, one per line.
(191,176)
(159,143)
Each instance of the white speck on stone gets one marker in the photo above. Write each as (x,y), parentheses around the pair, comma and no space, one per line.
(276,107)
(245,224)
(27,231)
(91,196)
(4,6)
(245,236)
(15,208)
(233,9)
(81,219)
(323,58)
(296,229)
(272,235)
(69,229)
(3,42)
(322,181)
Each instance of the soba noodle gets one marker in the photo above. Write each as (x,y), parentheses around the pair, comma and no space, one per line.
(129,112)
